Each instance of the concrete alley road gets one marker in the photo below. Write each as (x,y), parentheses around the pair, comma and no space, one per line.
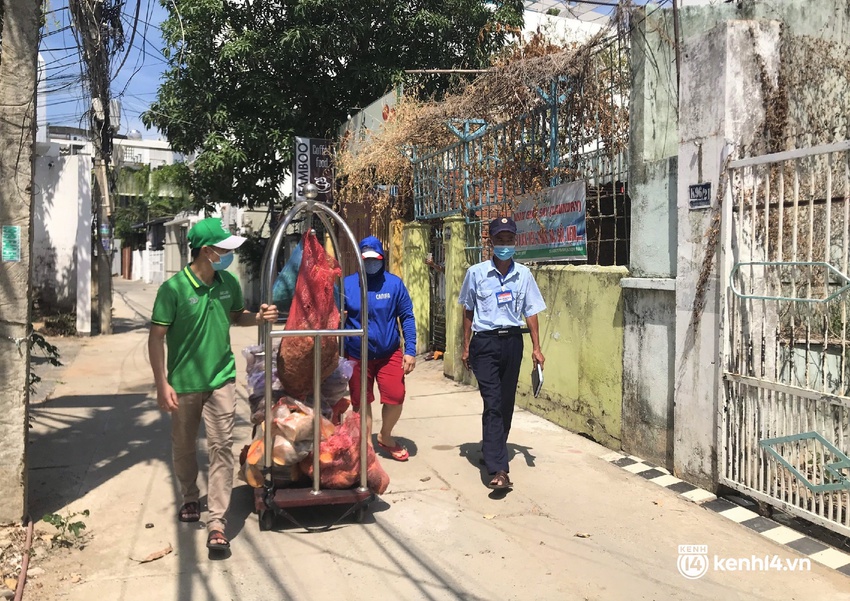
(575,527)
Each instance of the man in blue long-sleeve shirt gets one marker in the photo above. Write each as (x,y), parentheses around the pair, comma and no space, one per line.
(389,303)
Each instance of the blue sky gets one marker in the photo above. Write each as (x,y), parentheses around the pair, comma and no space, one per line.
(135,83)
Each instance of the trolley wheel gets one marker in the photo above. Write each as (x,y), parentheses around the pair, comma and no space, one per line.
(266,519)
(360,514)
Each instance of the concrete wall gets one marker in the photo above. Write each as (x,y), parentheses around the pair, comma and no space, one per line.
(359,126)
(746,89)
(155,153)
(580,331)
(813,48)
(62,235)
(649,346)
(649,297)
(722,106)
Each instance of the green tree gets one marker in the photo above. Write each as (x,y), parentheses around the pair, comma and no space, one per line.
(245,76)
(152,193)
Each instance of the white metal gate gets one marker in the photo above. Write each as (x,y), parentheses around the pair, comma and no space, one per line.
(785,411)
(156,260)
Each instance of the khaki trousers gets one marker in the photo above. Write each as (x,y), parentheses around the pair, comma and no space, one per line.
(218,409)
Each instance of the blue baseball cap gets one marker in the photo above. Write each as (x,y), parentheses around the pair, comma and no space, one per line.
(502,224)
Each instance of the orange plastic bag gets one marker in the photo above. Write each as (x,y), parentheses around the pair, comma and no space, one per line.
(313,308)
(339,460)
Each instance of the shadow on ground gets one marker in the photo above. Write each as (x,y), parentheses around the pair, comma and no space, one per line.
(297,520)
(385,455)
(471,451)
(78,443)
(122,326)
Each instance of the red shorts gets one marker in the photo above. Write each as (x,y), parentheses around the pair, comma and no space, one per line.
(389,372)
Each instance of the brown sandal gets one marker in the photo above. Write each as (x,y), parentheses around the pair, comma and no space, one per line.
(190,512)
(500,481)
(216,541)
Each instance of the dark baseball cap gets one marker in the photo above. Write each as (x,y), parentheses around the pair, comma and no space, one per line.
(502,224)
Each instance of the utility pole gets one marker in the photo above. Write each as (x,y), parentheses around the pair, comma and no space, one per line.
(676,44)
(18,69)
(96,27)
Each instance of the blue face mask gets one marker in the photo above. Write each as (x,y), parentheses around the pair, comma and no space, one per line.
(223,262)
(372,266)
(504,252)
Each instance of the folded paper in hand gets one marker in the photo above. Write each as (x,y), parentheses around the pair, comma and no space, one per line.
(536,379)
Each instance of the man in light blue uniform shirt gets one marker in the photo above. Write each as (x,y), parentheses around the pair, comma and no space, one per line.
(496,295)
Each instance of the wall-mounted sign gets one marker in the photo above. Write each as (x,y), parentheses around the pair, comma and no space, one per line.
(551,226)
(12,243)
(313,164)
(699,195)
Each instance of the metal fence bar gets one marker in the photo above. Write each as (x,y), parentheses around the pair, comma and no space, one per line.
(752,346)
(809,256)
(844,256)
(828,259)
(795,222)
(788,155)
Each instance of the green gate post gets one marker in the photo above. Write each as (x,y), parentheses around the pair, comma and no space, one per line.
(417,279)
(454,236)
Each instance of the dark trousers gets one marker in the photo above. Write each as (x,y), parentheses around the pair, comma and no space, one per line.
(495,360)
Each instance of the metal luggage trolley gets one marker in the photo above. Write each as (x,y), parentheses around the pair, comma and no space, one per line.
(271,500)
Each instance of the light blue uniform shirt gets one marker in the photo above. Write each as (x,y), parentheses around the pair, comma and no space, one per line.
(500,302)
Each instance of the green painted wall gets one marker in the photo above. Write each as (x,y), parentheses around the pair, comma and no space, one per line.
(395,248)
(454,237)
(581,335)
(415,274)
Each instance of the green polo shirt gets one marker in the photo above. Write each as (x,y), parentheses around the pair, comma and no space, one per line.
(198,339)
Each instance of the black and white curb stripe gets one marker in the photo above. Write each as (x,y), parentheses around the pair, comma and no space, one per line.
(814,549)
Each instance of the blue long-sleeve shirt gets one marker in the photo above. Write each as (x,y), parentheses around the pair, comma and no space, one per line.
(388,302)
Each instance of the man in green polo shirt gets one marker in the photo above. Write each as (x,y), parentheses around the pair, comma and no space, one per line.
(192,314)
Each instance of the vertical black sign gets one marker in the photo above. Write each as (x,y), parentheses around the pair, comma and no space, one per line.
(313,164)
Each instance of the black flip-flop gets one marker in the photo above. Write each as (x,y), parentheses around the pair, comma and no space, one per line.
(190,512)
(219,546)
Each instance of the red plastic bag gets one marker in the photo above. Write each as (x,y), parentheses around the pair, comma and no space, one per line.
(339,460)
(313,308)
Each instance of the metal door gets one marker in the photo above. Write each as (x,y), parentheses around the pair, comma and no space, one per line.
(784,426)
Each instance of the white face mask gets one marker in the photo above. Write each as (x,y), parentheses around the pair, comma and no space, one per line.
(373,266)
